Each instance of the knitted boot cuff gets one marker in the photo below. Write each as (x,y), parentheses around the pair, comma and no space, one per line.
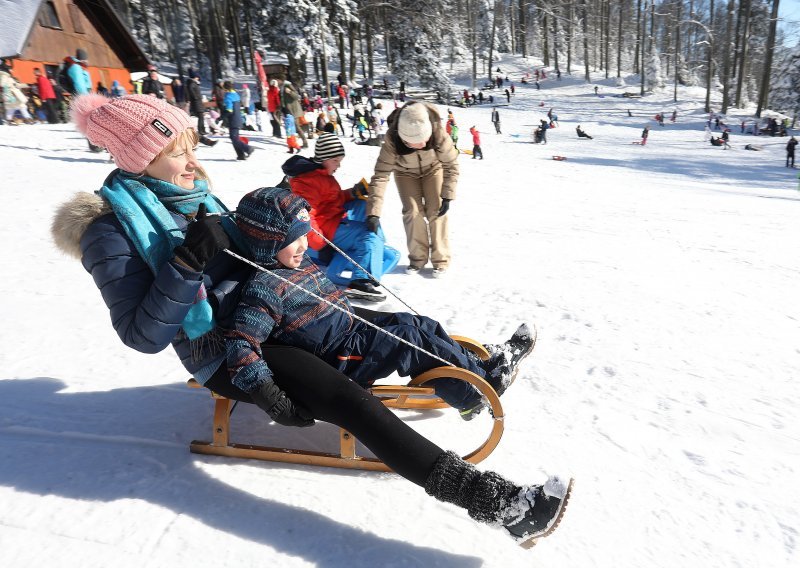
(450,479)
(482,494)
(490,493)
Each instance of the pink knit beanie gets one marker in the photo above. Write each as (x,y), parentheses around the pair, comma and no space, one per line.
(134,129)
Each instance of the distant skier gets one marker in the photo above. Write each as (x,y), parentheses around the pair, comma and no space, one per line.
(645,134)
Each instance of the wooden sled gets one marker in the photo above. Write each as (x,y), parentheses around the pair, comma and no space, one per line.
(413,395)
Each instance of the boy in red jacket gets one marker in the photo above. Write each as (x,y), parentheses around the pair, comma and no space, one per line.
(476,143)
(313,180)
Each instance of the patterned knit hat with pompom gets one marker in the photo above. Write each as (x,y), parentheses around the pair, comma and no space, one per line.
(134,129)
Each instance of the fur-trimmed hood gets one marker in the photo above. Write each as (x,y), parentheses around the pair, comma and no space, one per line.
(73,217)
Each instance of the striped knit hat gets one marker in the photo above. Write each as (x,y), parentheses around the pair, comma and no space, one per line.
(328,146)
(271,218)
(134,129)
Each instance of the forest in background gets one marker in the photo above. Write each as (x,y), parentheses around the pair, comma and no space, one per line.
(734,46)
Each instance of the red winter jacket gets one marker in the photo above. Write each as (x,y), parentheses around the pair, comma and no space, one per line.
(45,89)
(327,200)
(273,99)
(476,136)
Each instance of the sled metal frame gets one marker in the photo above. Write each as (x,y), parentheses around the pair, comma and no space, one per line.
(413,395)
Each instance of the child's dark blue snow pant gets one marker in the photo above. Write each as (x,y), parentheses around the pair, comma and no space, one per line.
(366,355)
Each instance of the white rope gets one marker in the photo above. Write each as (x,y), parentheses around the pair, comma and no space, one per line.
(344,254)
(336,306)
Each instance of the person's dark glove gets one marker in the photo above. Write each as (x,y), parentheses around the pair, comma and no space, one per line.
(272,400)
(360,191)
(444,208)
(205,238)
(373,223)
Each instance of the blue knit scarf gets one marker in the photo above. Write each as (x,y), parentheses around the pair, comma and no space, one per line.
(143,205)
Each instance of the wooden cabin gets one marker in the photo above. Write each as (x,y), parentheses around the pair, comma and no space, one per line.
(41,33)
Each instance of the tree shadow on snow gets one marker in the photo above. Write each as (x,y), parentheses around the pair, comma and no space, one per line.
(133,444)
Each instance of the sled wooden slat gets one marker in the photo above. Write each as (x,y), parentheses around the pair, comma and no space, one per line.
(414,396)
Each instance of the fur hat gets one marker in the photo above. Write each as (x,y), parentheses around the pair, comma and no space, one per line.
(414,124)
(134,129)
(328,146)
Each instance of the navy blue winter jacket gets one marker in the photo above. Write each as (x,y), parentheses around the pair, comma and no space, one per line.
(147,310)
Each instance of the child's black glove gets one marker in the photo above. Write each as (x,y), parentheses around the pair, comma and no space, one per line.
(360,191)
(444,208)
(204,238)
(272,400)
(373,223)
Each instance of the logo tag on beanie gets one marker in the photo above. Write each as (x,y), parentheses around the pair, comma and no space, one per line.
(303,216)
(162,128)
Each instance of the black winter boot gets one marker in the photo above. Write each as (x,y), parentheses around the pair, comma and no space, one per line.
(503,364)
(525,513)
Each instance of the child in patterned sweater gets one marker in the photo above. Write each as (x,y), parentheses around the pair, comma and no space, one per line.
(274,223)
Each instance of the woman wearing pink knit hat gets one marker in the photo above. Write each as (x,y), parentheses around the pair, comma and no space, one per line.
(155,255)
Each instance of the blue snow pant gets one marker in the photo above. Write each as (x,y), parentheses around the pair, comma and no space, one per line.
(360,244)
(240,147)
(363,246)
(365,355)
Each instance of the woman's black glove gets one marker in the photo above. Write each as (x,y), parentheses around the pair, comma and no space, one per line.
(272,400)
(444,208)
(205,238)
(373,223)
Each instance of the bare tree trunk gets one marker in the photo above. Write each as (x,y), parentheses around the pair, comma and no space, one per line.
(619,40)
(637,68)
(546,46)
(743,58)
(763,95)
(342,58)
(677,49)
(250,43)
(370,55)
(570,37)
(710,62)
(351,38)
(491,37)
(555,38)
(523,32)
(608,35)
(727,54)
(584,28)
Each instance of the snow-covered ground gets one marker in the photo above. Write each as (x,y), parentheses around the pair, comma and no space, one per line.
(664,284)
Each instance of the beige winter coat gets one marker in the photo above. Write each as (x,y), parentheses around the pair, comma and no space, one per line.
(439,154)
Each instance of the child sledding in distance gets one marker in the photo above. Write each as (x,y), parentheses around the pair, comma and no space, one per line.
(274,223)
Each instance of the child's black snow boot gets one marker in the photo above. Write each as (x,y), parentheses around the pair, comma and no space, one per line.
(504,360)
(525,513)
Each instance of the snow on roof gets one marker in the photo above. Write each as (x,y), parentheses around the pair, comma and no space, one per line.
(15,25)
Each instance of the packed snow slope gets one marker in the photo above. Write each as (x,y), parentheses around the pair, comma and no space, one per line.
(663,280)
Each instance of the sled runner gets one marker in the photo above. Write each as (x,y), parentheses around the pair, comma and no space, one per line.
(414,395)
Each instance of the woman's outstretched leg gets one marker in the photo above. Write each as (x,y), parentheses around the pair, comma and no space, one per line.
(524,512)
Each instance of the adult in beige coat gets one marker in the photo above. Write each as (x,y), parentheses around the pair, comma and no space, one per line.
(425,165)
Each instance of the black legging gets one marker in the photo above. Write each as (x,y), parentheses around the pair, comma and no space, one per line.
(332,397)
